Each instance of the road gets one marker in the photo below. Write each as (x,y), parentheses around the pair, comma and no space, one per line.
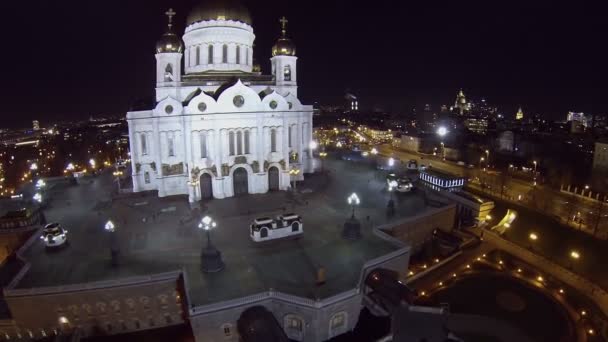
(579,213)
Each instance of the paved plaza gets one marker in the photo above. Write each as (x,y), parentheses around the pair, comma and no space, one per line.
(158,235)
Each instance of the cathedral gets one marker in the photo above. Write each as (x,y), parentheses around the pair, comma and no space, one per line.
(220,127)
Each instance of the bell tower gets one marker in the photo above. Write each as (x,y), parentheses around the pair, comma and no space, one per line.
(284,62)
(169,56)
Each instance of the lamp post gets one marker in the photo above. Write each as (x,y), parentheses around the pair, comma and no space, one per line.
(117,174)
(352,226)
(442,151)
(390,207)
(488,158)
(574,255)
(353,201)
(114,248)
(293,173)
(211,258)
(323,154)
(533,237)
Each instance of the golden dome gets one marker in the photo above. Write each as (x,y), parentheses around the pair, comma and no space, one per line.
(219,10)
(284,46)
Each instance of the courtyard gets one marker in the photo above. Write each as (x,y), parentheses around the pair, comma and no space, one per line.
(160,234)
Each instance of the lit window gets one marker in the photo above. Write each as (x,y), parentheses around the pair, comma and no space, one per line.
(287,73)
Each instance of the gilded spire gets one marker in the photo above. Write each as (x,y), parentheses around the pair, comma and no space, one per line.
(170,14)
(284,22)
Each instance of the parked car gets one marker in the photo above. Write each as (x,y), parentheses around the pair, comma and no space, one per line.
(54,235)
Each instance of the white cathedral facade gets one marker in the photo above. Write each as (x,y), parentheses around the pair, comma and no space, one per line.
(221,128)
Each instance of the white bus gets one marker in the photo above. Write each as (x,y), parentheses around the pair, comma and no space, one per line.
(266,228)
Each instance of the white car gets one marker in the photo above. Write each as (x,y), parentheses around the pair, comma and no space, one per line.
(404,185)
(54,235)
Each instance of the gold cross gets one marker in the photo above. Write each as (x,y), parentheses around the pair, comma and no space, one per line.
(170,13)
(284,22)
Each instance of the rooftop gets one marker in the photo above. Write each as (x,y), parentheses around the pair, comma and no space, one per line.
(169,240)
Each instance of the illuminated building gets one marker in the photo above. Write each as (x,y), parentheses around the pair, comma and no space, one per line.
(220,129)
(519,115)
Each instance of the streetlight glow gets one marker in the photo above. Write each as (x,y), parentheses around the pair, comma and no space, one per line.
(110,226)
(92,162)
(533,236)
(374,151)
(34,167)
(353,199)
(313,145)
(442,131)
(575,255)
(38,197)
(391,162)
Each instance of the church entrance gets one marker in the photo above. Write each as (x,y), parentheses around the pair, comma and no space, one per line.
(206,187)
(240,182)
(273,178)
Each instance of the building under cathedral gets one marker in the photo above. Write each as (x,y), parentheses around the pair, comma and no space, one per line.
(220,128)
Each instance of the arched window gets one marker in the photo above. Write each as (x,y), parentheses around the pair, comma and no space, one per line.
(231,143)
(144,144)
(246,56)
(273,140)
(287,73)
(247,142)
(289,136)
(147,177)
(203,145)
(168,73)
(170,149)
(210,55)
(225,53)
(198,55)
(238,54)
(239,143)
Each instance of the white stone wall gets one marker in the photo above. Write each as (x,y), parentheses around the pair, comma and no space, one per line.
(215,33)
(170,121)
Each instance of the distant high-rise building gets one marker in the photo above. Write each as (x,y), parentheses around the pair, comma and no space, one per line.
(461,105)
(579,117)
(36,125)
(352,103)
(519,115)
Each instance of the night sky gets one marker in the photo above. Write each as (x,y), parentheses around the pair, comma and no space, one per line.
(70,59)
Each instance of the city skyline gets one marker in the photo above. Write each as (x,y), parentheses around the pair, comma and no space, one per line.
(541,57)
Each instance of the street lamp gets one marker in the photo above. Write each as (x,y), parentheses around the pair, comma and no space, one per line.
(322,155)
(442,131)
(294,173)
(353,201)
(575,255)
(535,164)
(533,237)
(40,184)
(488,157)
(391,162)
(374,151)
(390,207)
(114,248)
(70,167)
(38,197)
(117,174)
(211,258)
(313,145)
(33,167)
(92,163)
(352,226)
